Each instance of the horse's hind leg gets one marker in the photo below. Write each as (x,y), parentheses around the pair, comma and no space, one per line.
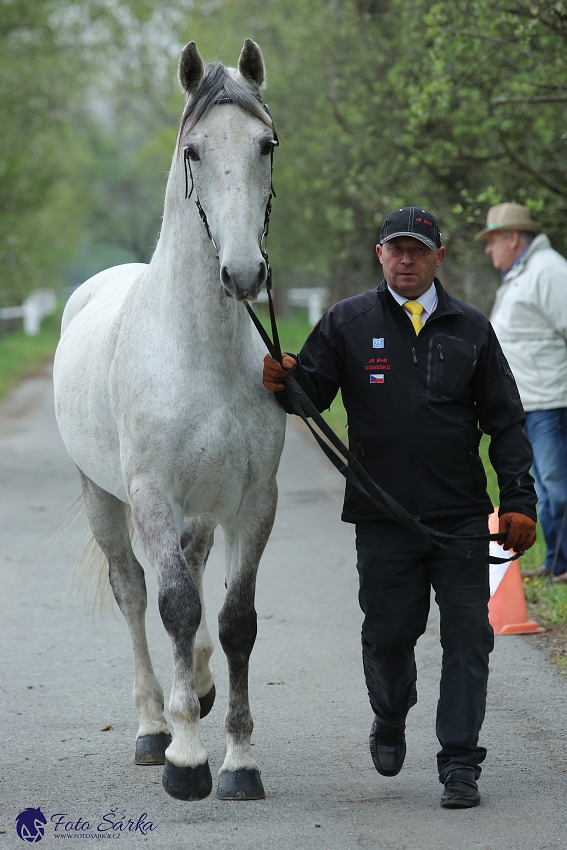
(196,542)
(109,523)
(239,777)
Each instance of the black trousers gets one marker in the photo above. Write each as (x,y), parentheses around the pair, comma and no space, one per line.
(397,569)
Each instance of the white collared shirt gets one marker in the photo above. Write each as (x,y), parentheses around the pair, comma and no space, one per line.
(428,301)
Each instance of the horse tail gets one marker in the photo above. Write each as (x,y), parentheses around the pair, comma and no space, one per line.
(90,576)
(91,571)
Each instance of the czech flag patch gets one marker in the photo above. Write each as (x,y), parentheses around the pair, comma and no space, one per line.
(376,379)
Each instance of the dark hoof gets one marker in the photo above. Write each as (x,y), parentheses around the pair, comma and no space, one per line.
(207,701)
(150,749)
(187,783)
(240,785)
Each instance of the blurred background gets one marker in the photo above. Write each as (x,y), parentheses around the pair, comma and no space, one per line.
(378,103)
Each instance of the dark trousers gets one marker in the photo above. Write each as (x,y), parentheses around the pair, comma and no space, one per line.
(397,569)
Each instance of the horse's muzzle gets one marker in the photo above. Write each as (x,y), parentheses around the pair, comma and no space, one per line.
(243,286)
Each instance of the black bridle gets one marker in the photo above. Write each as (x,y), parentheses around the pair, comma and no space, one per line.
(188,192)
(333,447)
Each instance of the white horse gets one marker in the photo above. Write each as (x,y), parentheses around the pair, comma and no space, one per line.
(160,403)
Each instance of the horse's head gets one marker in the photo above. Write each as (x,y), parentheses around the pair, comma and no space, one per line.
(226,141)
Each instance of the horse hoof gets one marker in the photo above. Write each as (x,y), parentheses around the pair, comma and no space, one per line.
(240,785)
(207,701)
(150,749)
(187,783)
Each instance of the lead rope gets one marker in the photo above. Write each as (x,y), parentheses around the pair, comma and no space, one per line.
(352,471)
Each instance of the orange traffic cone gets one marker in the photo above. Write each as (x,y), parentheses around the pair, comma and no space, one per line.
(507,609)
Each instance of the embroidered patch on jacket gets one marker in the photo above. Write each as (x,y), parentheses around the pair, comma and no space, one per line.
(376,379)
(378,342)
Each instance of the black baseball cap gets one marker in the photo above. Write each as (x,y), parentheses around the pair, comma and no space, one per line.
(412,221)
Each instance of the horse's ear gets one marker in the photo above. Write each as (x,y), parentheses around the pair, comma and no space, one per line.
(191,68)
(251,63)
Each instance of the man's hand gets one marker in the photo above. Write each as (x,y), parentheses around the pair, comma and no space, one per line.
(274,375)
(521,531)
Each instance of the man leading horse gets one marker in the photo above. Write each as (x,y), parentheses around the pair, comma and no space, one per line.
(422,377)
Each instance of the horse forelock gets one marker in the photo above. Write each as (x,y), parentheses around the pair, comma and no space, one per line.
(218,83)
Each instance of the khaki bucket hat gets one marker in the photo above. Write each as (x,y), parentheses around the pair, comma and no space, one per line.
(507,217)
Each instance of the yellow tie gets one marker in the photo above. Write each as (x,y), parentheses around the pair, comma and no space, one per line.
(416,309)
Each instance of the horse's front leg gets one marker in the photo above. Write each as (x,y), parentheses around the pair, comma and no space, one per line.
(186,774)
(196,542)
(239,776)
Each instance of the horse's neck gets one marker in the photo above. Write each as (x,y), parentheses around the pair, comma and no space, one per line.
(182,285)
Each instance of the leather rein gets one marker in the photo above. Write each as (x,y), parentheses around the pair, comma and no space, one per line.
(340,456)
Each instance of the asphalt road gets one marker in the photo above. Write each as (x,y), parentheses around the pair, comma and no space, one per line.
(66,677)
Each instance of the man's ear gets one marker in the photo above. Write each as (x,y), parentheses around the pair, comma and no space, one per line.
(379,252)
(440,255)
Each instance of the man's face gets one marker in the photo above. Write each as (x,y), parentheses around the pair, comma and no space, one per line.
(409,265)
(504,248)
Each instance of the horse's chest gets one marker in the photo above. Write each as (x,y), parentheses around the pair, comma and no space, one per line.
(208,454)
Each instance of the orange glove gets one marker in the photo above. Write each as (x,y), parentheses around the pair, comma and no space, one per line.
(274,375)
(521,531)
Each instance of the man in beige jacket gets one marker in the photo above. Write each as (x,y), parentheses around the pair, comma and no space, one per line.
(530,320)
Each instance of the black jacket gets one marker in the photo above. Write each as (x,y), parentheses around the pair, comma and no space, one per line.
(415,404)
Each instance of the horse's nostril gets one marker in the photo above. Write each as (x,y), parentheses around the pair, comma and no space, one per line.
(226,279)
(262,274)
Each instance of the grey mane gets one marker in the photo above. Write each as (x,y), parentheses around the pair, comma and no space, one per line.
(217,86)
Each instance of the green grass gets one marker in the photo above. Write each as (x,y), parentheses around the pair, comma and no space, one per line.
(546,601)
(21,355)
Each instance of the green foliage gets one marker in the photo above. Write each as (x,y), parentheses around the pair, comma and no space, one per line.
(35,173)
(379,103)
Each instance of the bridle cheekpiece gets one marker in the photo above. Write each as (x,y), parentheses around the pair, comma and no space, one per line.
(188,192)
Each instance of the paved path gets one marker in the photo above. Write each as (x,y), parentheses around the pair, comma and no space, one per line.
(65,678)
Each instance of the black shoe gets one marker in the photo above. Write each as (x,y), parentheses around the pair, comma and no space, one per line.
(461,791)
(387,748)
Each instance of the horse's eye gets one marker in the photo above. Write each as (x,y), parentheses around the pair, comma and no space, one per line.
(192,154)
(267,148)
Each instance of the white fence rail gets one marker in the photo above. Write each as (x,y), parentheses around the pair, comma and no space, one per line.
(41,303)
(315,298)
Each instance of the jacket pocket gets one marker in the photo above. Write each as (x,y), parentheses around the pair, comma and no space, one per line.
(451,363)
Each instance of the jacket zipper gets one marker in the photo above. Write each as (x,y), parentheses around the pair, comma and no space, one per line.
(440,350)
